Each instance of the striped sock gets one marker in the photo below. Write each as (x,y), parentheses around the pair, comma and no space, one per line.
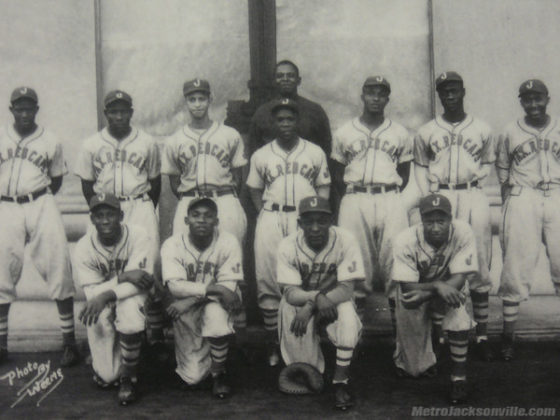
(437,322)
(270,318)
(458,345)
(480,312)
(4,309)
(219,347)
(66,315)
(343,359)
(510,311)
(130,350)
(155,321)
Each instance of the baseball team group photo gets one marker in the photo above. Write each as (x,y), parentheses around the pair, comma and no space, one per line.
(272,208)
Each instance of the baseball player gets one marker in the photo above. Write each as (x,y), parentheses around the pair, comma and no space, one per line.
(453,154)
(114,265)
(372,155)
(529,171)
(432,263)
(202,267)
(125,161)
(31,171)
(281,173)
(317,267)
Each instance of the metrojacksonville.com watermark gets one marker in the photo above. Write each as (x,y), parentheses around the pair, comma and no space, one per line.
(510,411)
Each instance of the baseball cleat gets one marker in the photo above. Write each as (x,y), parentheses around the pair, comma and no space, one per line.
(221,388)
(343,399)
(102,384)
(273,354)
(458,392)
(484,351)
(70,355)
(127,391)
(507,351)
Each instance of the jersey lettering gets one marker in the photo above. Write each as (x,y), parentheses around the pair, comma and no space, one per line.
(535,145)
(200,267)
(446,141)
(120,156)
(210,149)
(23,153)
(357,148)
(113,267)
(291,168)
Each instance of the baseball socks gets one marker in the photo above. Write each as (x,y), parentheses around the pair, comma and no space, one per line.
(70,354)
(437,333)
(4,309)
(342,396)
(270,317)
(130,350)
(480,312)
(458,346)
(510,313)
(219,347)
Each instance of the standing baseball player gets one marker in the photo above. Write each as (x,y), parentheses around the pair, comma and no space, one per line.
(529,172)
(114,265)
(282,173)
(202,269)
(317,268)
(432,263)
(125,161)
(372,155)
(453,154)
(31,171)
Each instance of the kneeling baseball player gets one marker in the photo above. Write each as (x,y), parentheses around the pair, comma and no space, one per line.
(114,265)
(432,263)
(317,267)
(202,267)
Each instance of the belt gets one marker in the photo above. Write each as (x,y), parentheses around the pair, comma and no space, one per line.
(20,199)
(210,193)
(372,189)
(465,186)
(134,197)
(278,207)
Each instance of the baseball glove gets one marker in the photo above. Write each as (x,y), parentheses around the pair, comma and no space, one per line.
(300,379)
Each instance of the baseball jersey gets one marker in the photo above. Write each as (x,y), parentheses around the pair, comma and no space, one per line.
(96,263)
(371,157)
(28,164)
(531,155)
(288,176)
(204,158)
(454,153)
(339,260)
(219,263)
(414,260)
(123,167)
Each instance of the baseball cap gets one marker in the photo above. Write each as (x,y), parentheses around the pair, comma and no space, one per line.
(532,85)
(286,103)
(435,202)
(117,95)
(448,76)
(196,85)
(195,202)
(377,81)
(314,204)
(104,199)
(24,92)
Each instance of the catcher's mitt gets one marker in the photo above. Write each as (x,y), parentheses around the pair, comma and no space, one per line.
(299,379)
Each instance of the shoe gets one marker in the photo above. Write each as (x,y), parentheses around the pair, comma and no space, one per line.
(70,355)
(431,372)
(458,392)
(273,354)
(221,388)
(484,351)
(159,353)
(127,391)
(204,385)
(102,384)
(343,399)
(507,351)
(3,355)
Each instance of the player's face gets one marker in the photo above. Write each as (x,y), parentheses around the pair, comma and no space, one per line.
(436,227)
(198,104)
(24,111)
(107,222)
(315,228)
(451,95)
(534,104)
(201,220)
(285,122)
(287,80)
(119,114)
(375,99)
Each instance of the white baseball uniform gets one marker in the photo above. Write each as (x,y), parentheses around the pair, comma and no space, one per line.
(530,213)
(204,161)
(370,159)
(456,156)
(124,168)
(96,267)
(187,272)
(26,168)
(286,178)
(416,261)
(300,266)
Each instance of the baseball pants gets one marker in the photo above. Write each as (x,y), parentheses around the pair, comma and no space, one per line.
(37,225)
